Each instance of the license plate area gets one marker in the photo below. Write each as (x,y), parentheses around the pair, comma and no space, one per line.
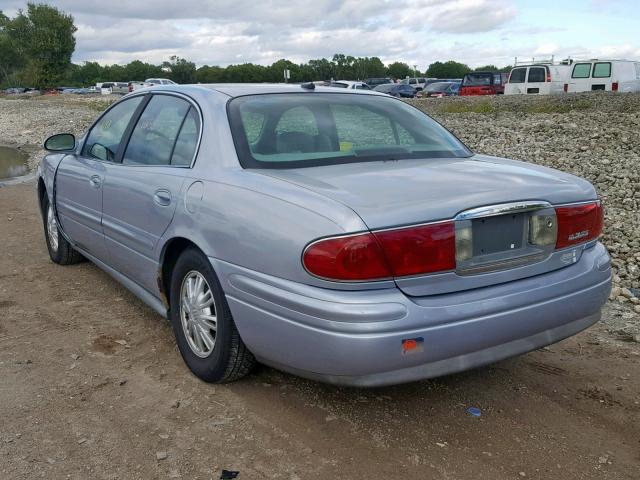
(500,237)
(498,234)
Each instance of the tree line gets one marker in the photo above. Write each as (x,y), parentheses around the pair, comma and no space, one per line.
(36,47)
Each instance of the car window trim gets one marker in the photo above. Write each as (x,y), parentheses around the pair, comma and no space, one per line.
(128,132)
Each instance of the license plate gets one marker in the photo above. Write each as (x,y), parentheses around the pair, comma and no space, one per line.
(498,234)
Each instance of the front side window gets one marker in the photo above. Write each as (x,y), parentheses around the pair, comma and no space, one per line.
(294,130)
(602,70)
(105,136)
(581,70)
(518,75)
(537,75)
(155,134)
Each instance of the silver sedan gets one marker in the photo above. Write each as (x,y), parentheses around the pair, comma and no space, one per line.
(337,234)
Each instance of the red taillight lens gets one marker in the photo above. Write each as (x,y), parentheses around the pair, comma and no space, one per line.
(385,254)
(579,223)
(566,87)
(418,250)
(614,87)
(548,76)
(357,257)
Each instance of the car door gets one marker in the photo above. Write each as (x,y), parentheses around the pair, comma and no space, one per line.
(580,80)
(80,178)
(142,191)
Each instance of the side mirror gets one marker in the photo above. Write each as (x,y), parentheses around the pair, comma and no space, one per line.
(62,142)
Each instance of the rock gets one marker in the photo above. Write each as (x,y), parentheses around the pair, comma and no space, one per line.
(637,308)
(75,356)
(603,459)
(81,441)
(161,455)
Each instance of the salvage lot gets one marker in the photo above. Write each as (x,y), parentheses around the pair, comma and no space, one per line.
(94,387)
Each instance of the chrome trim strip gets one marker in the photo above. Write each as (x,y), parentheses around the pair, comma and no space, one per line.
(502,209)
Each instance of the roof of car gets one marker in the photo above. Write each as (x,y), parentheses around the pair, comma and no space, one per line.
(240,89)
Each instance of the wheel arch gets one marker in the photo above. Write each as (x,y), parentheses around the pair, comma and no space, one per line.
(42,192)
(169,255)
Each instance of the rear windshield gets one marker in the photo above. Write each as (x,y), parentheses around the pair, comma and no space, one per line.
(292,130)
(477,79)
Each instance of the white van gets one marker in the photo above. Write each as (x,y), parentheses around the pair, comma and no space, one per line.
(537,79)
(608,75)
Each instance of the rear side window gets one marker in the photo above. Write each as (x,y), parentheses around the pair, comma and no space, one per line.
(187,140)
(518,75)
(537,75)
(105,136)
(602,70)
(155,134)
(581,70)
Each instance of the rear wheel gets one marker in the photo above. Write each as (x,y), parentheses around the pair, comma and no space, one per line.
(60,251)
(207,337)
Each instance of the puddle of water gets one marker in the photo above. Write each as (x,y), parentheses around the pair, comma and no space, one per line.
(13,163)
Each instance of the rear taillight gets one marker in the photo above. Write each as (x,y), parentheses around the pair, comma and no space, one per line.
(614,87)
(566,87)
(579,223)
(548,76)
(356,257)
(422,249)
(384,254)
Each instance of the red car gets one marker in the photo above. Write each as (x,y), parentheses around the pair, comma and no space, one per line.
(483,83)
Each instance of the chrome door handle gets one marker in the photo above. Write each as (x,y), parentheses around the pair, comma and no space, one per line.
(162,197)
(95,181)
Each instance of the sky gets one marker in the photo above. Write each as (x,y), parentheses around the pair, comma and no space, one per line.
(418,32)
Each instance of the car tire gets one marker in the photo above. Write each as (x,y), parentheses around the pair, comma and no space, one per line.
(60,251)
(215,355)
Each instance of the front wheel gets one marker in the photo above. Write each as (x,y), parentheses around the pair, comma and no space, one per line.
(206,334)
(60,251)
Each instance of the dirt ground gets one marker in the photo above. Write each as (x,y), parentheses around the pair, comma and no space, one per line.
(92,386)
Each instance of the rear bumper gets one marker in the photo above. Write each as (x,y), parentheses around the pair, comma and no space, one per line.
(356,337)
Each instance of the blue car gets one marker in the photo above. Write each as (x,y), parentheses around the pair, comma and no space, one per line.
(401,90)
(341,235)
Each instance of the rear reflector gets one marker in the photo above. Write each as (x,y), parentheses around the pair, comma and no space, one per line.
(384,254)
(614,86)
(579,223)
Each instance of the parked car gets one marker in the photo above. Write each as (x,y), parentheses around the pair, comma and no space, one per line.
(374,82)
(349,84)
(607,75)
(397,90)
(417,83)
(149,82)
(442,89)
(113,87)
(483,83)
(537,79)
(340,235)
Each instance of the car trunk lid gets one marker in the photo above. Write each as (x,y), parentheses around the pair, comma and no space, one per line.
(409,192)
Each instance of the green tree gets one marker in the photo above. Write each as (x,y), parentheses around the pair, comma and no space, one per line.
(11,61)
(486,68)
(43,37)
(180,70)
(448,69)
(207,74)
(399,70)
